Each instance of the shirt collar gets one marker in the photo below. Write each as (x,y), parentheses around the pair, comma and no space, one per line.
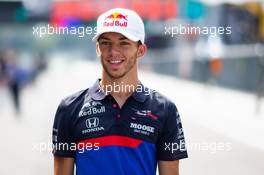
(96,92)
(140,94)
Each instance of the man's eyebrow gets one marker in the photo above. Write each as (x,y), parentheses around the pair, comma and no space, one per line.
(123,38)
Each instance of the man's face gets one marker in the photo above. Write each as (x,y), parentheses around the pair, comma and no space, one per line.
(118,54)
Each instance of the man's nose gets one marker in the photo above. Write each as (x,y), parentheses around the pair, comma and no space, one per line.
(115,49)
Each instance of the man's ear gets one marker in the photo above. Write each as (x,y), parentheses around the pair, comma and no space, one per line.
(98,52)
(142,49)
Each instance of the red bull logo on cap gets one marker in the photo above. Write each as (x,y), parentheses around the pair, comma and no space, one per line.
(116,20)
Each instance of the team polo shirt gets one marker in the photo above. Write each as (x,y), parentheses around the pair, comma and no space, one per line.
(106,139)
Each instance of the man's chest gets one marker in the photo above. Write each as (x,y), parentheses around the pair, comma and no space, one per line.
(96,119)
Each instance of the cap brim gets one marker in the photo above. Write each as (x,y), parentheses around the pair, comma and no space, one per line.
(127,35)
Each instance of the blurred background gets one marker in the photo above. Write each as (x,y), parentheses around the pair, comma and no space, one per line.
(215,76)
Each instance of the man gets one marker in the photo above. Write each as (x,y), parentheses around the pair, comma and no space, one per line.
(121,131)
(2,67)
(14,76)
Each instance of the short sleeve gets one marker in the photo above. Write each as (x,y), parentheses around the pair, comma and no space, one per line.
(62,136)
(171,142)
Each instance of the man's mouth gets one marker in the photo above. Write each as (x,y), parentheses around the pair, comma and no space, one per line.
(115,61)
(115,64)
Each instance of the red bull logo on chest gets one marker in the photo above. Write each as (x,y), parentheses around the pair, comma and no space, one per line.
(116,19)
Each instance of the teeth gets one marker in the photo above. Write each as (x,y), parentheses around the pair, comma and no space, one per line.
(115,61)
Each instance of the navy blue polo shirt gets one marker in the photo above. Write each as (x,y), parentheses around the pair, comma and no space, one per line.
(106,139)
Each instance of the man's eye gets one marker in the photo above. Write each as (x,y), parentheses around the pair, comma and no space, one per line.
(105,43)
(124,43)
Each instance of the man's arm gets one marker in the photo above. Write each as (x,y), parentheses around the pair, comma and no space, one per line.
(63,165)
(168,167)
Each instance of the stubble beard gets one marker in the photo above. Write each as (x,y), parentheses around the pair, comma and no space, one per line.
(129,65)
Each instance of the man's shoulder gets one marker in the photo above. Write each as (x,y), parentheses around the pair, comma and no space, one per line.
(73,98)
(160,98)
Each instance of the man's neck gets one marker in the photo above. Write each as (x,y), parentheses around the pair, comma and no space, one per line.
(120,88)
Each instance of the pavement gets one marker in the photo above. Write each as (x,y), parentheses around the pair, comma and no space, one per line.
(224,134)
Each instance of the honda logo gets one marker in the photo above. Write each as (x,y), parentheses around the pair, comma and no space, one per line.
(92,122)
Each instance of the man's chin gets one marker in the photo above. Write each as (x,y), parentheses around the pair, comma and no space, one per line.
(116,76)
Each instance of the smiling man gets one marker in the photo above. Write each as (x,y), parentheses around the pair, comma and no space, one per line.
(127,130)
